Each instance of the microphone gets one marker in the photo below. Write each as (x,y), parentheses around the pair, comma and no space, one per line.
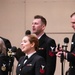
(66,41)
(28,32)
(64,48)
(58,47)
(12,51)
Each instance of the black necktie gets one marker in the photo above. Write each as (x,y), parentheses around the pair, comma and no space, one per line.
(25,59)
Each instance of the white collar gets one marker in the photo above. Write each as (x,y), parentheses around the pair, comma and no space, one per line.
(29,55)
(40,36)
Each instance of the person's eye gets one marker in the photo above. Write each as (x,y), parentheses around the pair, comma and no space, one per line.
(25,41)
(36,23)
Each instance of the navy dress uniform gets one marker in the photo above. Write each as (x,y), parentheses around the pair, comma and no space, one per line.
(71,57)
(3,65)
(47,47)
(35,65)
(8,59)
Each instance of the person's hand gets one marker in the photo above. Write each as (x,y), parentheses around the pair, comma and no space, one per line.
(59,53)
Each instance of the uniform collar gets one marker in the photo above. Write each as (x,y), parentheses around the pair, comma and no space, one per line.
(29,55)
(40,36)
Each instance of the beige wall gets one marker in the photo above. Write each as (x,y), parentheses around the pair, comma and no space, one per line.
(16,16)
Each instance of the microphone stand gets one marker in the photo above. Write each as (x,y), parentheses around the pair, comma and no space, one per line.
(64,48)
(62,62)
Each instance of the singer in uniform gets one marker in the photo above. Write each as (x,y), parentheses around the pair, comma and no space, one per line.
(10,59)
(47,45)
(31,63)
(3,59)
(70,56)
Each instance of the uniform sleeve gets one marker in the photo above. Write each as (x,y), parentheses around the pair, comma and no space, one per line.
(40,67)
(71,57)
(51,58)
(71,54)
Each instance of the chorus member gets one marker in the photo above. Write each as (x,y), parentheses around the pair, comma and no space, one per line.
(47,44)
(31,63)
(4,68)
(70,56)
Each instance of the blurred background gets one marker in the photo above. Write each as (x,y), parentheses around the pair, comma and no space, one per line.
(16,17)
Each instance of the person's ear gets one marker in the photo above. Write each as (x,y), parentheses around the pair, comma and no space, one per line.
(43,27)
(33,44)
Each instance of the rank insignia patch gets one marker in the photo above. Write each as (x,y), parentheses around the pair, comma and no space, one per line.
(51,53)
(42,69)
